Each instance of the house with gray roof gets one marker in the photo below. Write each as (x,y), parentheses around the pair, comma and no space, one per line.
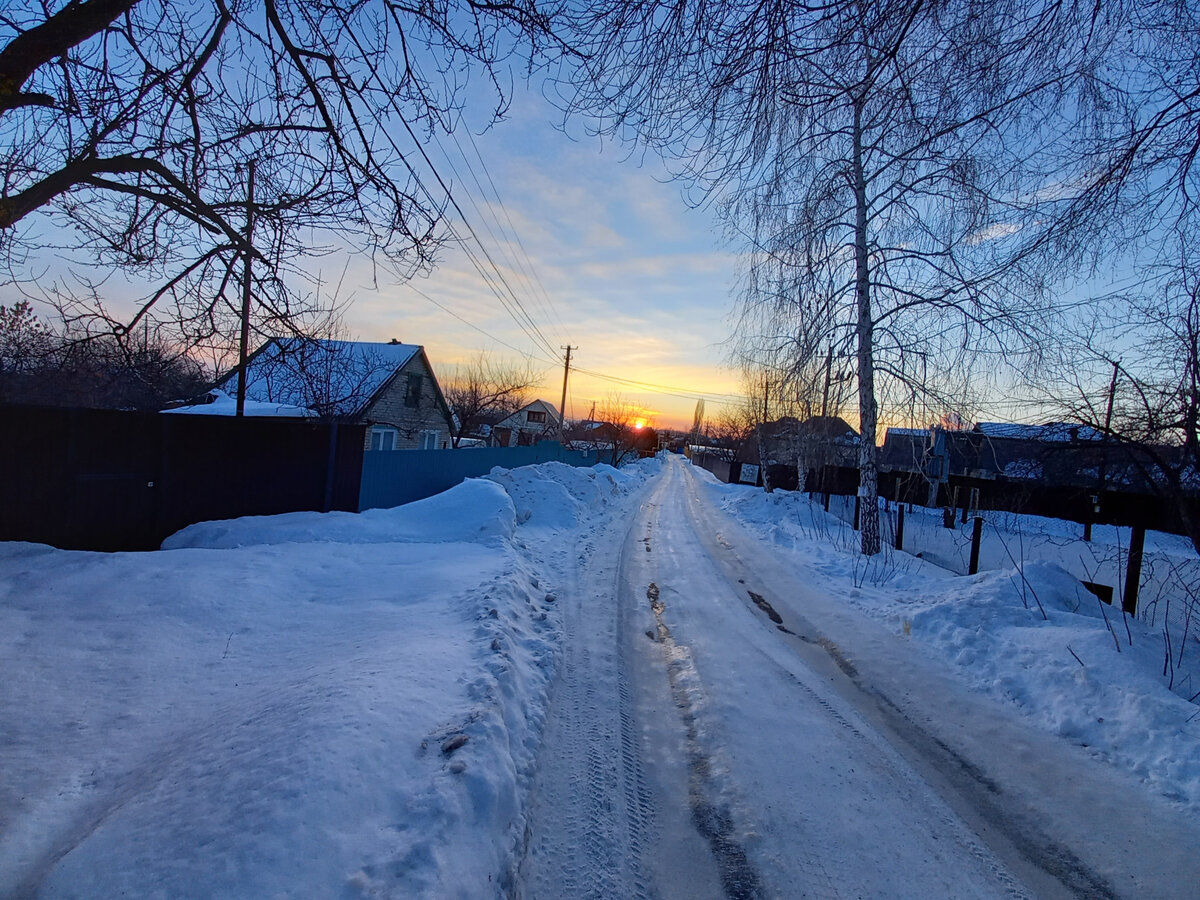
(533,422)
(389,387)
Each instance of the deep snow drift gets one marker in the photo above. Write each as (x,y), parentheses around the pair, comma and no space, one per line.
(309,705)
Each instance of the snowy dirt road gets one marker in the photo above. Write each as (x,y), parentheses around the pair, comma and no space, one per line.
(720,727)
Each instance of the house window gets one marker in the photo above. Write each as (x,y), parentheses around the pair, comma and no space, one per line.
(537,417)
(429,440)
(412,396)
(383,438)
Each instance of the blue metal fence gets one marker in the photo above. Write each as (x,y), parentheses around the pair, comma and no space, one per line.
(401,476)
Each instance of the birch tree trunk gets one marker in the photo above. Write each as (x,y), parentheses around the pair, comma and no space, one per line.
(762,460)
(868,412)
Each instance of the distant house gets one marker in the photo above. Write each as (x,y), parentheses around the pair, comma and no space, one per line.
(388,387)
(533,422)
(1055,453)
(905,450)
(816,441)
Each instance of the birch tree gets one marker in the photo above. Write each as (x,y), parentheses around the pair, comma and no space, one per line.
(876,148)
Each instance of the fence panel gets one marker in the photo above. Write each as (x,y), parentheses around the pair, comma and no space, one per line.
(402,476)
(90,479)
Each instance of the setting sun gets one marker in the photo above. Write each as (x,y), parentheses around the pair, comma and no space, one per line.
(639,424)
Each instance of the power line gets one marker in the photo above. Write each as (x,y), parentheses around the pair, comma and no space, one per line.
(524,320)
(685,393)
(470,324)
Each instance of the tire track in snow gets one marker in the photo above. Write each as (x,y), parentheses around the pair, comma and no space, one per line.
(591,815)
(712,819)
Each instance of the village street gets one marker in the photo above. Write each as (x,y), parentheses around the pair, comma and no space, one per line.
(567,682)
(726,728)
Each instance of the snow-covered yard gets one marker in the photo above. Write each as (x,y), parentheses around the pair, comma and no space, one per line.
(278,706)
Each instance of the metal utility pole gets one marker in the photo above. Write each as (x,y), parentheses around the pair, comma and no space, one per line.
(245,338)
(562,409)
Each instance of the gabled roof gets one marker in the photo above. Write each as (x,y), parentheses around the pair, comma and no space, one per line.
(517,418)
(317,373)
(1051,431)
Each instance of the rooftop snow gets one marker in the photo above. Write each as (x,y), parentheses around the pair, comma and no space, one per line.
(312,373)
(221,404)
(1051,431)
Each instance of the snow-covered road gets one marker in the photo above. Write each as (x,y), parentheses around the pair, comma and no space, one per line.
(722,728)
(558,682)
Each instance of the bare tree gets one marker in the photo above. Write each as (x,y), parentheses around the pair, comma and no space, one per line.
(486,388)
(44,366)
(621,431)
(1135,378)
(872,151)
(185,144)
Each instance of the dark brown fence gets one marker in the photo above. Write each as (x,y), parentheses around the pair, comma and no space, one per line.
(110,480)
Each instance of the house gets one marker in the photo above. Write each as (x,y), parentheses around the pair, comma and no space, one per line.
(533,422)
(816,442)
(1055,453)
(389,387)
(905,450)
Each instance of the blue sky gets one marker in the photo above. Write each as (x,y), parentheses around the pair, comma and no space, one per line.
(610,260)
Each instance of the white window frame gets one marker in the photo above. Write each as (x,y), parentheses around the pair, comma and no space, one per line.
(429,439)
(384,437)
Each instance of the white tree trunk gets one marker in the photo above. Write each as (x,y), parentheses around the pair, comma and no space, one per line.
(868,412)
(801,465)
(762,460)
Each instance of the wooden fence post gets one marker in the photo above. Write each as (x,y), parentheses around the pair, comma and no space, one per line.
(976,539)
(900,526)
(1133,574)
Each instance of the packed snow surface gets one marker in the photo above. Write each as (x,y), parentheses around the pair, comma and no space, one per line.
(1027,631)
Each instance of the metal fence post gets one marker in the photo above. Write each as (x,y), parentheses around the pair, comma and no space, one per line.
(900,526)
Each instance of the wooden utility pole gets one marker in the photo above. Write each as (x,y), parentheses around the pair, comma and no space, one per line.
(1103,468)
(562,409)
(245,337)
(828,379)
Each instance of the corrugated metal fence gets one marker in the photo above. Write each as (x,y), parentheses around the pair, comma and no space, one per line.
(98,479)
(401,476)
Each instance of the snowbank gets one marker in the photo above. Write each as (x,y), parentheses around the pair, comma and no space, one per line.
(302,705)
(1031,634)
(476,510)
